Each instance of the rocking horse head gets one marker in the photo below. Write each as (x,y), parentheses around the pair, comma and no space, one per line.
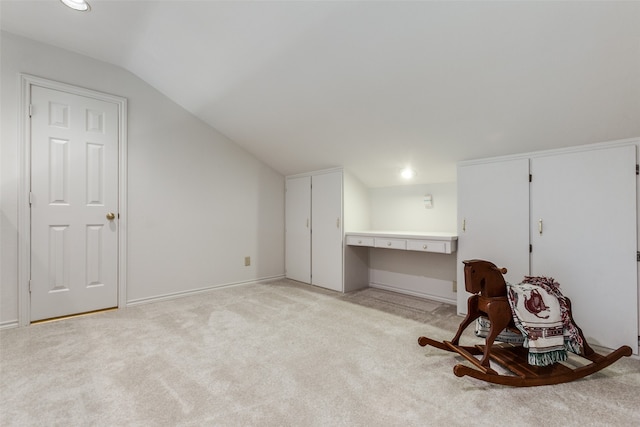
(485,278)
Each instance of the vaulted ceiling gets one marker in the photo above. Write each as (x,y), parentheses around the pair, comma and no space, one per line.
(371,85)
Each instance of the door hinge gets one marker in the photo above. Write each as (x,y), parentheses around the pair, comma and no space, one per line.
(637,169)
(638,256)
(530,178)
(30,198)
(29,285)
(530,248)
(30,110)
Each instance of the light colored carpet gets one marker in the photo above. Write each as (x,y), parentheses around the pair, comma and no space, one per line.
(278,354)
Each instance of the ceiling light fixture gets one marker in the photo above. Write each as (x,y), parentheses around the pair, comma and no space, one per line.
(408,173)
(80,5)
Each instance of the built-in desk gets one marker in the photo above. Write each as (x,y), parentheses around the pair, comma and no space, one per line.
(444,243)
(415,263)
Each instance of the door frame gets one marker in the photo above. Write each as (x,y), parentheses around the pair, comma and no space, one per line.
(24,173)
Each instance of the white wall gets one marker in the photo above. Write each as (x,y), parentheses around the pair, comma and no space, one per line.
(198,203)
(401,208)
(357,205)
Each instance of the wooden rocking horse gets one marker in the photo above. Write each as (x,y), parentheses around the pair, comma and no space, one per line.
(486,282)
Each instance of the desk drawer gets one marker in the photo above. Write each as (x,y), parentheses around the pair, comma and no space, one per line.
(359,241)
(390,243)
(428,246)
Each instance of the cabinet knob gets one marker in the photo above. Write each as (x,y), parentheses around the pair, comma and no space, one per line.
(359,242)
(424,246)
(388,243)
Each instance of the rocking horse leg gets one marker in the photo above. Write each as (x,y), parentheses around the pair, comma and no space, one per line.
(472,315)
(499,314)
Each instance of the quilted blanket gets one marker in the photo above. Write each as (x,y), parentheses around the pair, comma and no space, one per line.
(541,313)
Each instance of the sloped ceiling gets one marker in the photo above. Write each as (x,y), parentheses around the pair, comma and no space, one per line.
(372,86)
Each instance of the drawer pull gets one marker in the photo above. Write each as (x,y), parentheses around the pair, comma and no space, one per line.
(388,243)
(359,242)
(424,246)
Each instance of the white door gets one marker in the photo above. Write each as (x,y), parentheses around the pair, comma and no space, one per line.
(493,219)
(326,233)
(583,217)
(298,229)
(74,186)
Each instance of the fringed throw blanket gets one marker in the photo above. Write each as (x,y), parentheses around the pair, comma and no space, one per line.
(541,313)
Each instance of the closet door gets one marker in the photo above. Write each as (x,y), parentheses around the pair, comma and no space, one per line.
(326,241)
(298,229)
(493,218)
(583,232)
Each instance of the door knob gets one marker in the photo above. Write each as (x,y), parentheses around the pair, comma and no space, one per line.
(111,216)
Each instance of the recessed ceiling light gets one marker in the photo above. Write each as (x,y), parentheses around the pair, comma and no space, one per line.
(80,5)
(408,173)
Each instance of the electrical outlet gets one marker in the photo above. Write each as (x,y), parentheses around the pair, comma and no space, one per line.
(247,261)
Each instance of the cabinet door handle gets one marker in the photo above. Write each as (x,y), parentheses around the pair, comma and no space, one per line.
(464,224)
(540,226)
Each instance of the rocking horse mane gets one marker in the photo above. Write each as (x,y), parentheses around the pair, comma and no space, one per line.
(484,278)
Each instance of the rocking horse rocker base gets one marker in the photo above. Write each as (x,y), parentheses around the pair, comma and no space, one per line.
(514,359)
(486,282)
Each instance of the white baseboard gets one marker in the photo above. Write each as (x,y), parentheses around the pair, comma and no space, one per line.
(174,295)
(8,324)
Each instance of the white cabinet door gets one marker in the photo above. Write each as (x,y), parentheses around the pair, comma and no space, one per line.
(298,229)
(326,241)
(583,231)
(493,218)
